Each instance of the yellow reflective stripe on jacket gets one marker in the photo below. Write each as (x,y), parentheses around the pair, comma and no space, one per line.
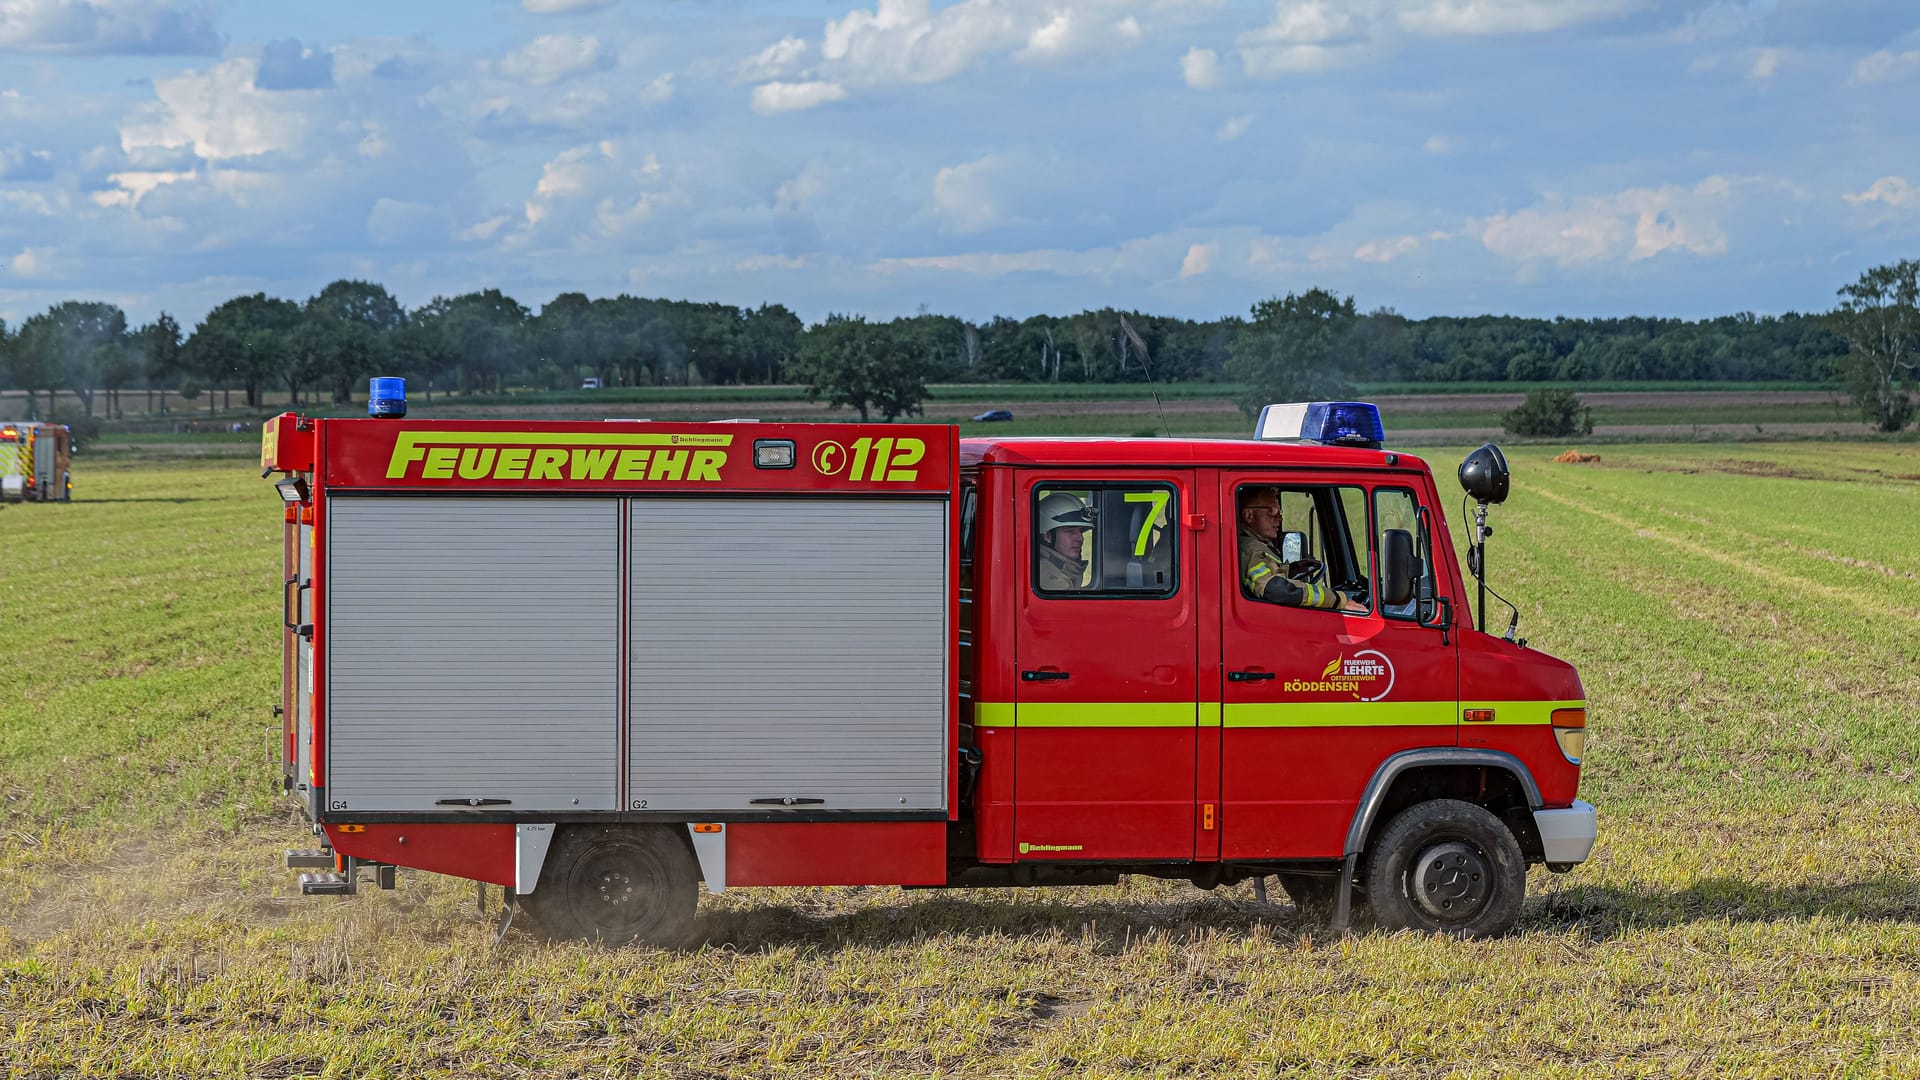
(1278,714)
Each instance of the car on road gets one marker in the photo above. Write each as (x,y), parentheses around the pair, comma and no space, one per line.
(993,415)
(590,384)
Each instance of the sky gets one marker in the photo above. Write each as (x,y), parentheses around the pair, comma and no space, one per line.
(988,157)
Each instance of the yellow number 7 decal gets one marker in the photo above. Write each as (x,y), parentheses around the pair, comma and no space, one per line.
(1159,500)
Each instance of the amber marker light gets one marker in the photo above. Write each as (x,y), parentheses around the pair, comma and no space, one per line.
(1570,731)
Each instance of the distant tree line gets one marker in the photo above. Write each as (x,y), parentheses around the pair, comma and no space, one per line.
(323,349)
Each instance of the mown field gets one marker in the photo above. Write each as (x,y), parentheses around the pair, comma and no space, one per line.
(1746,618)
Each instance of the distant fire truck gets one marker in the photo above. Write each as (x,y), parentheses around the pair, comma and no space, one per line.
(35,462)
(600,663)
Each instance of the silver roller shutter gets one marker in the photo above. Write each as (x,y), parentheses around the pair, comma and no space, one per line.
(472,652)
(788,648)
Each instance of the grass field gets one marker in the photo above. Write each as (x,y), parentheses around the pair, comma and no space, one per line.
(1746,618)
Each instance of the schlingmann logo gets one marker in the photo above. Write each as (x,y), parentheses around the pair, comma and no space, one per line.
(1367,675)
(554,455)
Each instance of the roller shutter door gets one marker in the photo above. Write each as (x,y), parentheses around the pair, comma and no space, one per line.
(472,652)
(788,648)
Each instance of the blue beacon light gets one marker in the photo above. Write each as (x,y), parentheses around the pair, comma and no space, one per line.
(1329,423)
(387,398)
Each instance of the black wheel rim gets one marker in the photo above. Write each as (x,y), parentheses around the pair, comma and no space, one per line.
(1450,881)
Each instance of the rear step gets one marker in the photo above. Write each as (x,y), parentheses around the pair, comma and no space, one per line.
(325,885)
(319,860)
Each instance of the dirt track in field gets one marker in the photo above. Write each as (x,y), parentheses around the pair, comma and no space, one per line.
(952,408)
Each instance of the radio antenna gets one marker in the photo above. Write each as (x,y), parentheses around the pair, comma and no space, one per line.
(1132,335)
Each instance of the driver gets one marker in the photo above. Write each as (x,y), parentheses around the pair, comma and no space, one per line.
(1262,570)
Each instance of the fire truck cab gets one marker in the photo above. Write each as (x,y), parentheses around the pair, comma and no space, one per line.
(35,463)
(600,663)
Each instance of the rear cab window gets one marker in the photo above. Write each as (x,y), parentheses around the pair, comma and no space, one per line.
(1105,540)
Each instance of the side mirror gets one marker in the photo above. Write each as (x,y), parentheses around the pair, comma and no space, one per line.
(1396,567)
(1484,474)
(1293,546)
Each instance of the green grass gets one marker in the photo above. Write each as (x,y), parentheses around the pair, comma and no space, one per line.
(1744,617)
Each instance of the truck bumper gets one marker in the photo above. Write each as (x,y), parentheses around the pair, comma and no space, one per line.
(1566,836)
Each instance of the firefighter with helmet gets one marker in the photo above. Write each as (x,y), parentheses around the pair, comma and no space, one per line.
(1062,522)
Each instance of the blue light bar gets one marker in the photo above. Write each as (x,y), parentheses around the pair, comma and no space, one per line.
(387,397)
(1331,423)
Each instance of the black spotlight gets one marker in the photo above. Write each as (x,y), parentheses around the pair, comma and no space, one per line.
(1484,474)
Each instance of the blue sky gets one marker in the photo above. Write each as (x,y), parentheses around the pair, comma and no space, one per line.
(1189,157)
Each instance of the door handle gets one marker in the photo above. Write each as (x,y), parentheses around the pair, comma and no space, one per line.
(1043,676)
(1249,676)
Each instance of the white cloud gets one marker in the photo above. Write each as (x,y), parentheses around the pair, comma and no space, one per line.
(797,193)
(1199,260)
(1764,63)
(659,91)
(564,7)
(32,263)
(1441,144)
(1234,127)
(1385,251)
(908,41)
(1635,224)
(135,186)
(107,27)
(1891,191)
(1886,66)
(1466,17)
(963,195)
(1069,35)
(989,263)
(779,97)
(598,189)
(1312,35)
(1201,68)
(776,61)
(552,57)
(1307,36)
(218,114)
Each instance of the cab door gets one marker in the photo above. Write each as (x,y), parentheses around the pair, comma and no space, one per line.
(1314,700)
(1106,700)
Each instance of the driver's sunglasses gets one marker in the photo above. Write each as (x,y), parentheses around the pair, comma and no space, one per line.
(1274,510)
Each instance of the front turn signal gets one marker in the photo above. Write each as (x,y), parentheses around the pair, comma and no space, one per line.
(1570,731)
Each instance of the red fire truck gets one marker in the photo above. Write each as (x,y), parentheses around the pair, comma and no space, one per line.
(599,663)
(35,463)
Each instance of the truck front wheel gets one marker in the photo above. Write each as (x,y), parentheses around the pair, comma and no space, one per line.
(617,884)
(1447,866)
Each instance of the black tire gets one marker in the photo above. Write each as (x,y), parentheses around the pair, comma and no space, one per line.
(617,884)
(1449,867)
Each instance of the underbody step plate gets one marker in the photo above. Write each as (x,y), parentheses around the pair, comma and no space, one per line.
(325,885)
(298,860)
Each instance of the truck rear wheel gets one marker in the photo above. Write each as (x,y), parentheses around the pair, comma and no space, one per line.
(617,884)
(1447,866)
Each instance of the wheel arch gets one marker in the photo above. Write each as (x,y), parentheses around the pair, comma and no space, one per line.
(1493,779)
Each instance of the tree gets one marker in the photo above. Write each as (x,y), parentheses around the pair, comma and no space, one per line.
(69,343)
(1549,412)
(1879,318)
(158,345)
(357,322)
(245,338)
(855,363)
(1294,349)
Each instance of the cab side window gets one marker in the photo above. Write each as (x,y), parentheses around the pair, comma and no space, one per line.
(1105,540)
(1396,508)
(1319,541)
